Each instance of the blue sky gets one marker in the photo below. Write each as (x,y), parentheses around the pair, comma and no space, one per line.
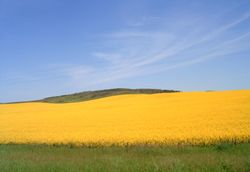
(53,47)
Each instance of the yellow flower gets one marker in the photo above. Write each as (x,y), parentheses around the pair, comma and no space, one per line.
(169,118)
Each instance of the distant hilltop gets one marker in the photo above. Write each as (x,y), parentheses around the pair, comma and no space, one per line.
(91,95)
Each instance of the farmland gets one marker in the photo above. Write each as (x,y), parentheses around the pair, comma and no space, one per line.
(189,118)
(177,131)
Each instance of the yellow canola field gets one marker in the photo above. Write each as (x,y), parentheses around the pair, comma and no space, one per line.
(171,118)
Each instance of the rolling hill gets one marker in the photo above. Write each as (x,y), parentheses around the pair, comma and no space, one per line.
(176,118)
(91,95)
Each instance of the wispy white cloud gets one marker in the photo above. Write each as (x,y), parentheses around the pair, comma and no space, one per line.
(112,58)
(145,20)
(79,72)
(139,52)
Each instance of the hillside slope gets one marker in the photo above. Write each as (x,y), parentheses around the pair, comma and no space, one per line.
(177,118)
(91,95)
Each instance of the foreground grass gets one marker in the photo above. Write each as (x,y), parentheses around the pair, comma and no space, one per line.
(222,157)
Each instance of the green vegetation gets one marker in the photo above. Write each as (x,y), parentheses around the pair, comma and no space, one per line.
(91,95)
(223,157)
